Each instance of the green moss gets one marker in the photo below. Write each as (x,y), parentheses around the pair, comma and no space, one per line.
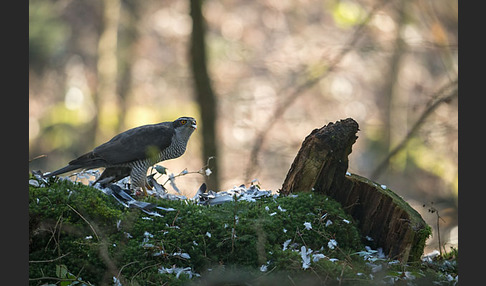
(96,238)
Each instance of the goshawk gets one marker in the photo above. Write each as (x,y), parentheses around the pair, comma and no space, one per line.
(132,152)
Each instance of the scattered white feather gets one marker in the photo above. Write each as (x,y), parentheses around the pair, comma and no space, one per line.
(172,183)
(159,253)
(308,225)
(116,281)
(208,172)
(172,226)
(332,244)
(148,234)
(429,257)
(33,183)
(286,244)
(318,256)
(166,209)
(305,255)
(182,255)
(178,271)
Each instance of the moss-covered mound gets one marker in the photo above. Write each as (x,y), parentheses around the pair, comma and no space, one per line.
(79,234)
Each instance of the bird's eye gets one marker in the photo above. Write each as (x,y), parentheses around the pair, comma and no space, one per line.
(183,122)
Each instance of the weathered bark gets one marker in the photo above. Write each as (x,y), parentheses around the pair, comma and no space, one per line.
(322,160)
(321,165)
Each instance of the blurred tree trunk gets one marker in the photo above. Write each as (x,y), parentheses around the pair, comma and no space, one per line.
(389,92)
(204,92)
(105,98)
(127,40)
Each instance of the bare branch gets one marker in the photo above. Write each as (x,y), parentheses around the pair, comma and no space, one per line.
(435,102)
(299,90)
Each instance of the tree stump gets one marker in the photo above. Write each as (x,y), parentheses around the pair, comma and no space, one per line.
(321,165)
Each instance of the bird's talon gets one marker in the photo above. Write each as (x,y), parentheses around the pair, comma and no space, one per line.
(144,191)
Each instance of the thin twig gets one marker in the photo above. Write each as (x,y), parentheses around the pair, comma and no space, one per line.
(49,260)
(184,172)
(318,276)
(432,209)
(52,278)
(291,280)
(53,236)
(92,228)
(37,157)
(177,214)
(342,273)
(141,270)
(121,269)
(438,233)
(79,273)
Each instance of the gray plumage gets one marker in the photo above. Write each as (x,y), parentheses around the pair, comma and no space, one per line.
(132,152)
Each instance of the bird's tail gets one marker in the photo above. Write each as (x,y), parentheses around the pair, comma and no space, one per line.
(63,170)
(86,161)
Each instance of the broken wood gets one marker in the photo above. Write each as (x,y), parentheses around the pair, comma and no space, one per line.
(321,165)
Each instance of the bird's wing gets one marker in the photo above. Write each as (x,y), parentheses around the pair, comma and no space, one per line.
(136,144)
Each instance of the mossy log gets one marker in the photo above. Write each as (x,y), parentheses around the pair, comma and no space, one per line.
(321,165)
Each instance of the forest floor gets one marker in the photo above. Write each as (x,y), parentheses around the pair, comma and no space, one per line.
(82,235)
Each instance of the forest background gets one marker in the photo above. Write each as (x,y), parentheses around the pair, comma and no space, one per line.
(277,69)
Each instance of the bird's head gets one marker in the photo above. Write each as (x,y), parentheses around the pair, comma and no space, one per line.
(185,124)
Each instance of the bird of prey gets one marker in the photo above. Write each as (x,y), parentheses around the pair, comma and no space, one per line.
(132,152)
